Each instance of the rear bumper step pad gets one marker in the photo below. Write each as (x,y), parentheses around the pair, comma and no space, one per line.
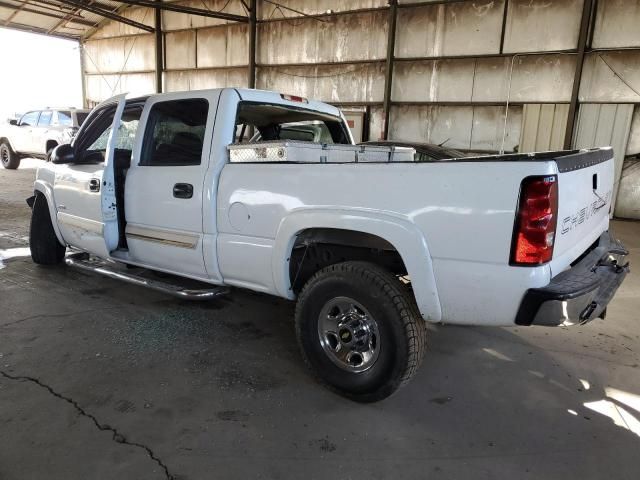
(581,293)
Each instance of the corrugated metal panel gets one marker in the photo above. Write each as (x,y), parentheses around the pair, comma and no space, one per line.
(633,145)
(605,125)
(628,205)
(543,127)
(465,127)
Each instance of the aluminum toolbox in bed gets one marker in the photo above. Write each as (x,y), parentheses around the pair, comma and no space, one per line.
(291,151)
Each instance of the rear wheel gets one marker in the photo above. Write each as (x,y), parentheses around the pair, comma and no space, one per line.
(44,245)
(359,330)
(10,159)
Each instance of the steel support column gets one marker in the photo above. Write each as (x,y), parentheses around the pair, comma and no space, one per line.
(585,23)
(82,74)
(159,48)
(388,77)
(253,25)
(503,29)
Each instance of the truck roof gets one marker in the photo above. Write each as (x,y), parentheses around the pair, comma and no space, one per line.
(268,96)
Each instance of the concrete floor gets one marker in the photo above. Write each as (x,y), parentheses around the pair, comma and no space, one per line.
(103,380)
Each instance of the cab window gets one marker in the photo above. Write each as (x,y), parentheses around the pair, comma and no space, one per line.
(264,122)
(90,147)
(29,119)
(174,133)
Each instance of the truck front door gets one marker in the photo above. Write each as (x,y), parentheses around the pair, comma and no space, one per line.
(166,187)
(22,135)
(84,191)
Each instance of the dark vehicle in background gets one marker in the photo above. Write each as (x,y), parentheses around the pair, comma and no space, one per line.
(37,133)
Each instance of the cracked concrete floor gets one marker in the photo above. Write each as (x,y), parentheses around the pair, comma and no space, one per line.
(103,380)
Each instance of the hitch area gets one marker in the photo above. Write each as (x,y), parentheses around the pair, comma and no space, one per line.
(179,287)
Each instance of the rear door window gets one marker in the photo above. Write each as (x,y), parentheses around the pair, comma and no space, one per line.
(174,134)
(45,118)
(64,118)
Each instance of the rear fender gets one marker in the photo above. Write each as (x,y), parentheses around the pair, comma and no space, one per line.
(405,236)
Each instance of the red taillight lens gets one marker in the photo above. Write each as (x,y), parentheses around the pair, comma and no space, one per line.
(535,229)
(293,98)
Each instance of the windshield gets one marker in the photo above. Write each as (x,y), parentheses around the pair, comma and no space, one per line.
(262,123)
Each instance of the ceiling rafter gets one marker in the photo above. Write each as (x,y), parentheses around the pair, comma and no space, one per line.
(77,18)
(47,12)
(184,9)
(22,6)
(64,22)
(107,14)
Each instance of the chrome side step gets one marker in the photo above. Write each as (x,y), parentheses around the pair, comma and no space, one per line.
(83,261)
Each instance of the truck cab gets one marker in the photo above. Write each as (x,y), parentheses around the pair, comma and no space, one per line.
(139,181)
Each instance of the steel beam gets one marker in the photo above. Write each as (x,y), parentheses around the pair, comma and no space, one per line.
(388,76)
(253,26)
(159,48)
(188,10)
(585,23)
(16,11)
(107,14)
(503,29)
(39,31)
(47,12)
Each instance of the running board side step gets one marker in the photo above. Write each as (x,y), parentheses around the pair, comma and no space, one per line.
(83,261)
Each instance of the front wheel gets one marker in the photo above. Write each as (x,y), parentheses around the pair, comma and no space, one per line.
(359,330)
(44,245)
(10,159)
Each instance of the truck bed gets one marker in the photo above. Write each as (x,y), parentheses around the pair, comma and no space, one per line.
(464,210)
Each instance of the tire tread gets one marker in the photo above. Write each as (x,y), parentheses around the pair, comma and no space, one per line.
(43,243)
(403,301)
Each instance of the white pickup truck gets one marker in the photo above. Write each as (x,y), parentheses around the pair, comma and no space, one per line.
(371,243)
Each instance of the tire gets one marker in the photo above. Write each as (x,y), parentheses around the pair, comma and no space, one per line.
(9,159)
(379,339)
(44,245)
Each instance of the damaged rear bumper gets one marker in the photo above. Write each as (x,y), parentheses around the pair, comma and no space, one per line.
(580,293)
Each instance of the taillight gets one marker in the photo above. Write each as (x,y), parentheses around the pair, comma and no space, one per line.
(293,98)
(536,219)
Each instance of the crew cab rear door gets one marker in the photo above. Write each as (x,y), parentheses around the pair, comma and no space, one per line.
(166,187)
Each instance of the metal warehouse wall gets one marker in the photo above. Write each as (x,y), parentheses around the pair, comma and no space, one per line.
(457,66)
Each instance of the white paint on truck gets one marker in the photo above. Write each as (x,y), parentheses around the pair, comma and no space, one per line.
(496,240)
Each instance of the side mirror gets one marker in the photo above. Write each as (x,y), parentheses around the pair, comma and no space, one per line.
(13,121)
(62,154)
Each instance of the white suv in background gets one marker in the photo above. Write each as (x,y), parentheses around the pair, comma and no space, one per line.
(37,133)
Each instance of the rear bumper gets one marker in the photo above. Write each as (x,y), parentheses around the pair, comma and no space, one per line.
(581,293)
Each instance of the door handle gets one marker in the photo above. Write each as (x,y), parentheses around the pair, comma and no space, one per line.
(94,185)
(183,190)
